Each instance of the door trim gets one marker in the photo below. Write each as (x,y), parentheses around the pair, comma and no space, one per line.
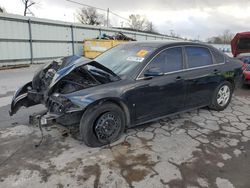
(183,70)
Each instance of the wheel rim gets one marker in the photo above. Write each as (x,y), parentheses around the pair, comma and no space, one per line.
(107,127)
(223,95)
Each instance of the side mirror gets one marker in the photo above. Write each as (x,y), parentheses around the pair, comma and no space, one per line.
(153,72)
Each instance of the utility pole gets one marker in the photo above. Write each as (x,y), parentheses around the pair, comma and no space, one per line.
(171,32)
(108,17)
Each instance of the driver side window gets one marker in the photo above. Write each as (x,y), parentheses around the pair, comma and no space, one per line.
(168,61)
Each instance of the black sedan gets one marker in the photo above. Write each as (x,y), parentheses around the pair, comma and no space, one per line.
(130,84)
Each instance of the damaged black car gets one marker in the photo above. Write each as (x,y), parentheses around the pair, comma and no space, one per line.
(128,85)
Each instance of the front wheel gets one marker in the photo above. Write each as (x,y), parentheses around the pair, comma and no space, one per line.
(222,96)
(102,124)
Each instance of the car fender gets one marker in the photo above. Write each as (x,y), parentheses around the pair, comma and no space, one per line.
(88,101)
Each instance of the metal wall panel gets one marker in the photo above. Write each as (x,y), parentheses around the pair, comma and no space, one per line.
(140,37)
(110,33)
(150,38)
(13,30)
(14,50)
(79,34)
(32,39)
(50,32)
(82,33)
(46,50)
(79,48)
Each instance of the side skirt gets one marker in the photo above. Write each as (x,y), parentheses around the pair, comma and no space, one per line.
(168,115)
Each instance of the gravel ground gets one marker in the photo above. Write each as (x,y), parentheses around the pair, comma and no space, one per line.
(201,148)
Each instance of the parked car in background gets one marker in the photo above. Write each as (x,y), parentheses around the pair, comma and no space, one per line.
(131,84)
(241,49)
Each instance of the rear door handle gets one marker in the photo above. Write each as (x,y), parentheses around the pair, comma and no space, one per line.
(216,71)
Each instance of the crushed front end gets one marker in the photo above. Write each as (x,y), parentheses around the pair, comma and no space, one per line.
(53,82)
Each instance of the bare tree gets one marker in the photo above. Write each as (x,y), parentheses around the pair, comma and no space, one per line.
(137,22)
(90,16)
(27,5)
(227,36)
(140,23)
(215,40)
(224,38)
(150,27)
(2,10)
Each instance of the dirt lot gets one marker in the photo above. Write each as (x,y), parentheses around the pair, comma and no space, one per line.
(201,149)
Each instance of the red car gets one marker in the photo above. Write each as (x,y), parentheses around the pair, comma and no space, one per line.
(241,49)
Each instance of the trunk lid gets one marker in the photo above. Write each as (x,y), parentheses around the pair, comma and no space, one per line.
(240,43)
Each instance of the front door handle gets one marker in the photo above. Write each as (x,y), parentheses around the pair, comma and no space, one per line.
(178,78)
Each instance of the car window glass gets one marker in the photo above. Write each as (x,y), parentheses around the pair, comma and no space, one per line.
(198,56)
(168,60)
(219,58)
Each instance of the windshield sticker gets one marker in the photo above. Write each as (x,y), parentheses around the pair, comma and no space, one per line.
(142,53)
(136,59)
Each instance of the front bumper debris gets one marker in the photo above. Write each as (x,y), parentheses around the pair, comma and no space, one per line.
(43,119)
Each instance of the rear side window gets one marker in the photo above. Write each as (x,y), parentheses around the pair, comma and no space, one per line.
(169,60)
(219,58)
(198,56)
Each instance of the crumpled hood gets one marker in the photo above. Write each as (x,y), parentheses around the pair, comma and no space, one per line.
(240,43)
(80,61)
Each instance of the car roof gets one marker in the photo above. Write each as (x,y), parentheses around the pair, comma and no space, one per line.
(159,44)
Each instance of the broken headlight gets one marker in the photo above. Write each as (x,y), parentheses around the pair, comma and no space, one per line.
(59,104)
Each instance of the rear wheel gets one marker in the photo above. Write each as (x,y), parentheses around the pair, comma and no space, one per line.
(222,96)
(102,124)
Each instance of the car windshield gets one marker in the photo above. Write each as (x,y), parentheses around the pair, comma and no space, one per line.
(124,58)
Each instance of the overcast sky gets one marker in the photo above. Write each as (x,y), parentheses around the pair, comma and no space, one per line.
(188,18)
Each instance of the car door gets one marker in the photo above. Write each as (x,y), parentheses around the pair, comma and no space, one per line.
(162,92)
(202,75)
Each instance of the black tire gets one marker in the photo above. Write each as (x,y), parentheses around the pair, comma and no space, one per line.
(92,121)
(215,105)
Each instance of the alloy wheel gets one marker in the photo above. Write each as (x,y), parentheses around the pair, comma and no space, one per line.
(223,95)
